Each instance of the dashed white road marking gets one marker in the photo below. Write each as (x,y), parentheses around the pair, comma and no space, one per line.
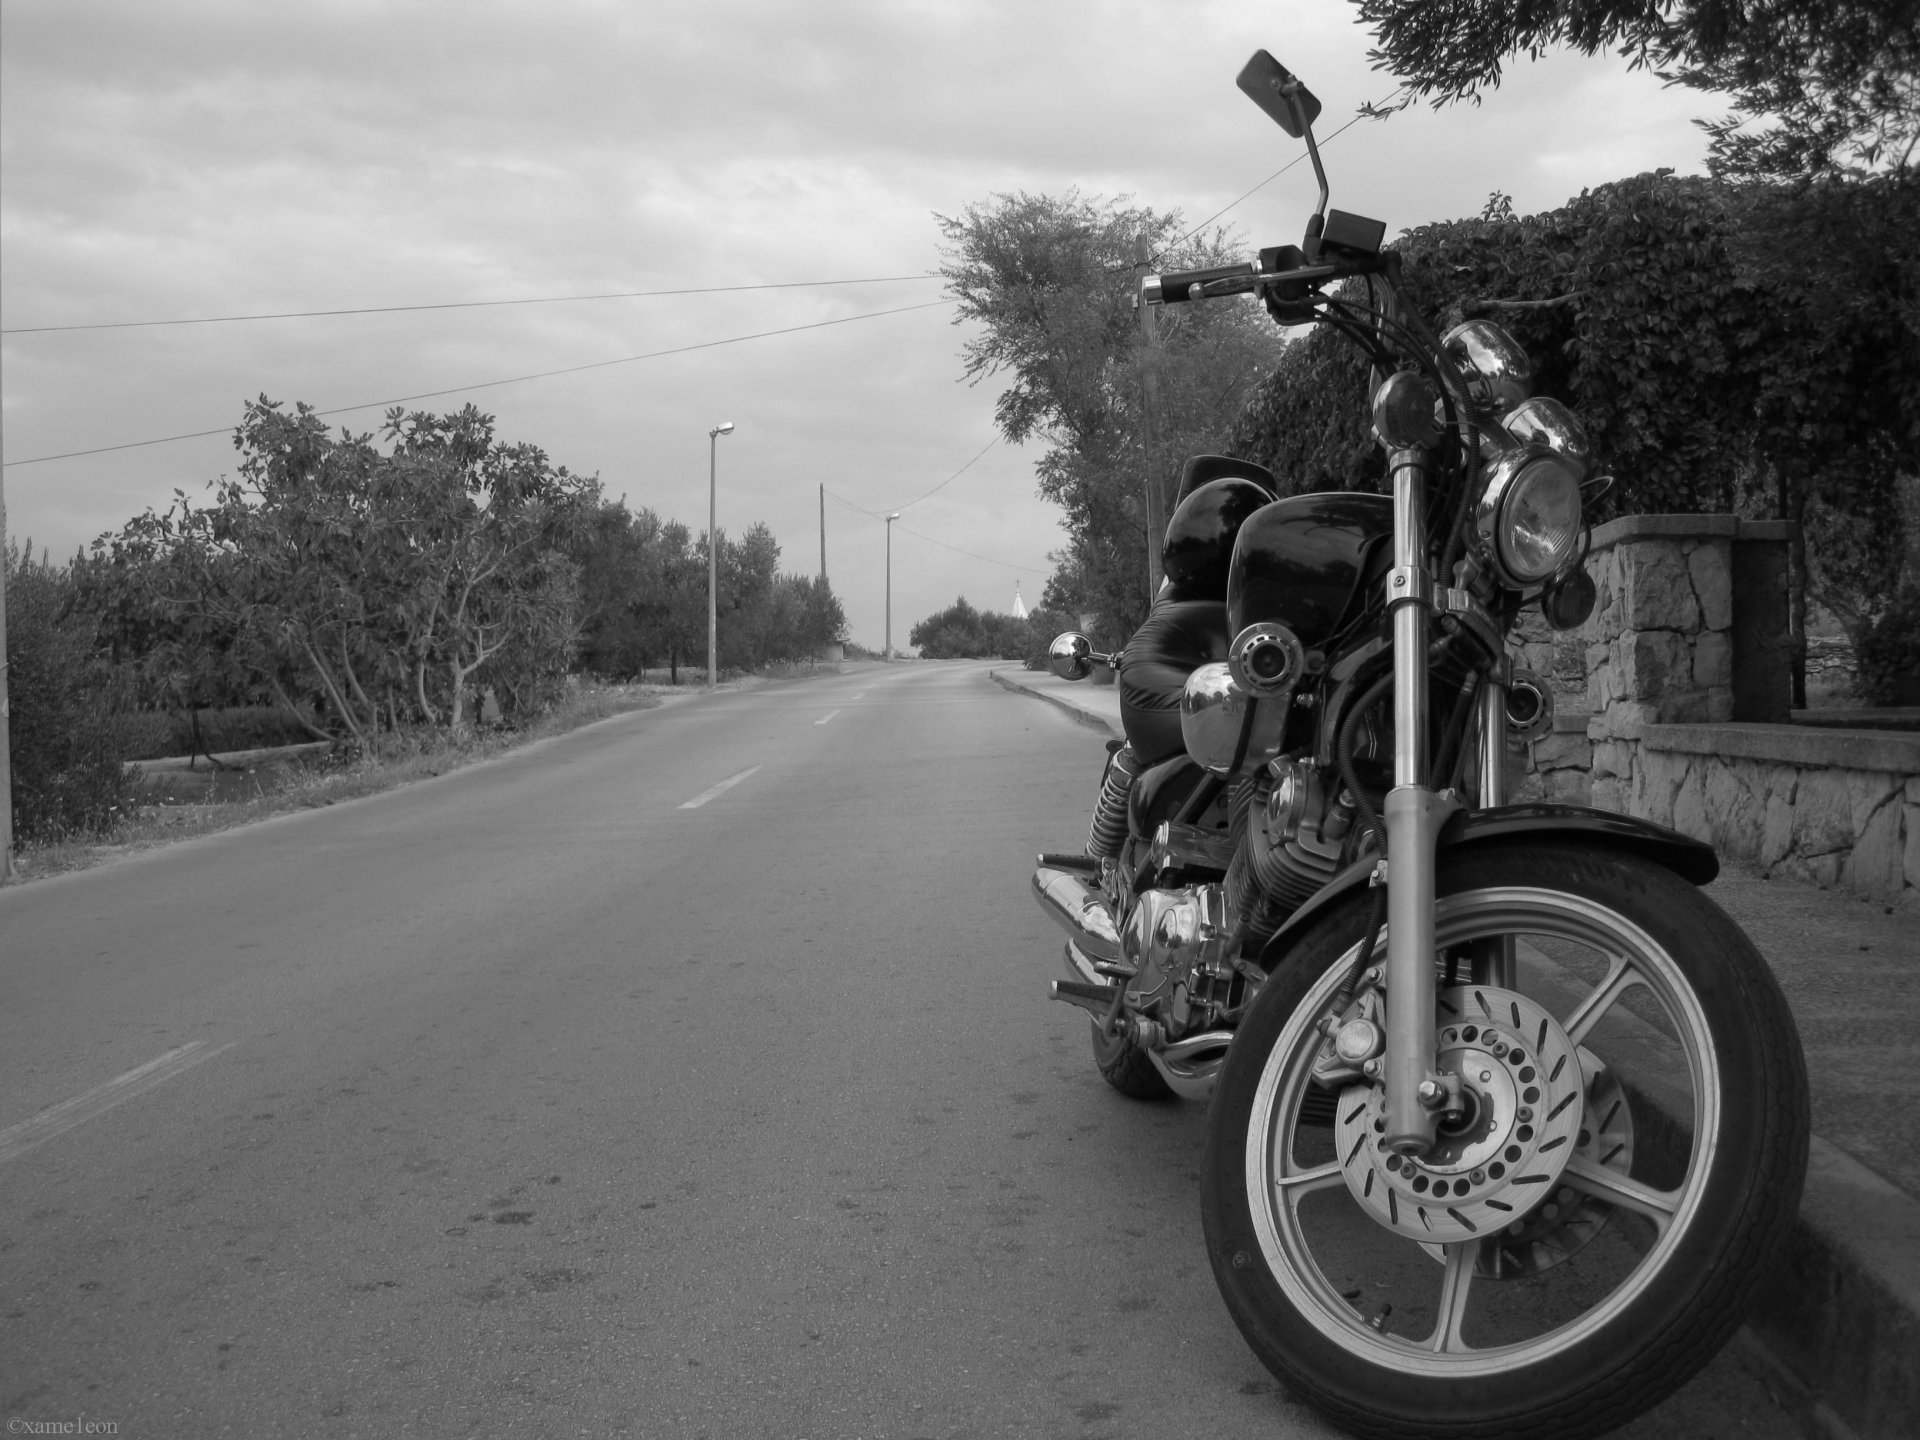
(725,785)
(16,1140)
(826,717)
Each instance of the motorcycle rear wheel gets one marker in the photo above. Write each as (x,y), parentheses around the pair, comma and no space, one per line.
(1580,1322)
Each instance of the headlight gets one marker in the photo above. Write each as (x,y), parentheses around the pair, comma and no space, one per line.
(1497,369)
(1529,518)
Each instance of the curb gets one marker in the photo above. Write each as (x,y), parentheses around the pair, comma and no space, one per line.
(1840,1316)
(1085,717)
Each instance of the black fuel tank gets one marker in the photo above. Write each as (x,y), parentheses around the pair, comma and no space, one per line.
(1299,561)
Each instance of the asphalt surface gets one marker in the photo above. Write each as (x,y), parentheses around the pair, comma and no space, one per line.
(530,1100)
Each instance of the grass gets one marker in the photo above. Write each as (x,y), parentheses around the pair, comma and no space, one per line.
(178,804)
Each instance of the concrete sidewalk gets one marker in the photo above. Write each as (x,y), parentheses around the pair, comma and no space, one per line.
(1843,1314)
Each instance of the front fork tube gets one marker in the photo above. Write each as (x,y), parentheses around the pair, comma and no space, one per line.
(1494,962)
(1415,1092)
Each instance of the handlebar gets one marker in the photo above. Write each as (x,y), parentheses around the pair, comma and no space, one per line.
(1178,285)
(1245,278)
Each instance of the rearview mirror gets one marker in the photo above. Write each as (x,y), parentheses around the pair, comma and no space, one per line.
(1272,87)
(1071,656)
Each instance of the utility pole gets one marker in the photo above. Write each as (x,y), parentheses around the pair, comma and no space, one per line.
(725,427)
(6,740)
(823,532)
(886,650)
(1149,355)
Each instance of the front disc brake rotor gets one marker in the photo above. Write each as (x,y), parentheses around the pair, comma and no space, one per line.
(1501,1161)
(1569,1218)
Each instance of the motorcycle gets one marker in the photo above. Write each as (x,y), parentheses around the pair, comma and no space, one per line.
(1507,1120)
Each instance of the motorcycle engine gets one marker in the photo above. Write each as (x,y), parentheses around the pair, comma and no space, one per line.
(1299,824)
(1176,942)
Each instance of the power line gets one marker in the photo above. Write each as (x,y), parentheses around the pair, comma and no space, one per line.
(489,384)
(882,515)
(457,305)
(951,478)
(1028,569)
(1370,111)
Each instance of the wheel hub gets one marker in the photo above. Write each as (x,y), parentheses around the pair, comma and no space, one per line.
(1501,1160)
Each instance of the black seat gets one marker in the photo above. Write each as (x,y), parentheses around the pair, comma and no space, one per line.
(1178,636)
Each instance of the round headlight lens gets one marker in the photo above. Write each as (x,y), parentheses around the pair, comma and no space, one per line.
(1538,526)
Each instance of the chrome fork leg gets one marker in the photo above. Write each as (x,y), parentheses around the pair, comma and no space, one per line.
(1413,815)
(1494,960)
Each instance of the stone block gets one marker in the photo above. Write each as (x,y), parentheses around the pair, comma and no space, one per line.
(1823,813)
(1713,659)
(1653,666)
(1612,758)
(1690,804)
(1910,864)
(1558,752)
(1718,703)
(1609,794)
(1712,576)
(1656,780)
(1656,589)
(1566,787)
(1821,870)
(1873,867)
(1868,791)
(1623,720)
(1776,835)
(1736,807)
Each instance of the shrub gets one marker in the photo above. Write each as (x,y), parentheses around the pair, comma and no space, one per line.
(65,742)
(1889,654)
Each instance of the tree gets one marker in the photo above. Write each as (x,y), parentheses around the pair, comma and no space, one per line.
(1050,281)
(1748,348)
(386,584)
(1838,80)
(961,632)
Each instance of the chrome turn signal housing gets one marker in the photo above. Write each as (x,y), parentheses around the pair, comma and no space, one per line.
(1498,373)
(1266,659)
(1542,421)
(1528,524)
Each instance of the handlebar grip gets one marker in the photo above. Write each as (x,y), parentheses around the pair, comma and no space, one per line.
(1177,285)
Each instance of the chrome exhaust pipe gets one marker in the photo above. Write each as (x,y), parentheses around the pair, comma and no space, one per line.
(1191,1066)
(1079,909)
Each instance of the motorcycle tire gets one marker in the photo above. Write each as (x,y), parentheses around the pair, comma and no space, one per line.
(1126,1067)
(1635,1270)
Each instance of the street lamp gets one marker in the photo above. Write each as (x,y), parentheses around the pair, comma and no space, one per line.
(725,427)
(887,653)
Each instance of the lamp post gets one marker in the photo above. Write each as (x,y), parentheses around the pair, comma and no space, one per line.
(725,427)
(887,653)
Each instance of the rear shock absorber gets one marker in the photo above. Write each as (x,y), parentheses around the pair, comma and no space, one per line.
(1109,829)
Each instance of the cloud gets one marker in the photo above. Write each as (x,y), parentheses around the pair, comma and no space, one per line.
(204,159)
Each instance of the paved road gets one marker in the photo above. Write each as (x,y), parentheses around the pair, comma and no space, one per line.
(541,1099)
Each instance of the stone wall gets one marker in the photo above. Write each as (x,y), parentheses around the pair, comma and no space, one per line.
(1657,698)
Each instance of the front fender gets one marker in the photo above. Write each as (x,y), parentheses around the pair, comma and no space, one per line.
(1690,859)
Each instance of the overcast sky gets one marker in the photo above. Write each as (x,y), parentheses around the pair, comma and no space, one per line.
(188,159)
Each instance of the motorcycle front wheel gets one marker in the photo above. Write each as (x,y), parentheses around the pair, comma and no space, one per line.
(1589,1232)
